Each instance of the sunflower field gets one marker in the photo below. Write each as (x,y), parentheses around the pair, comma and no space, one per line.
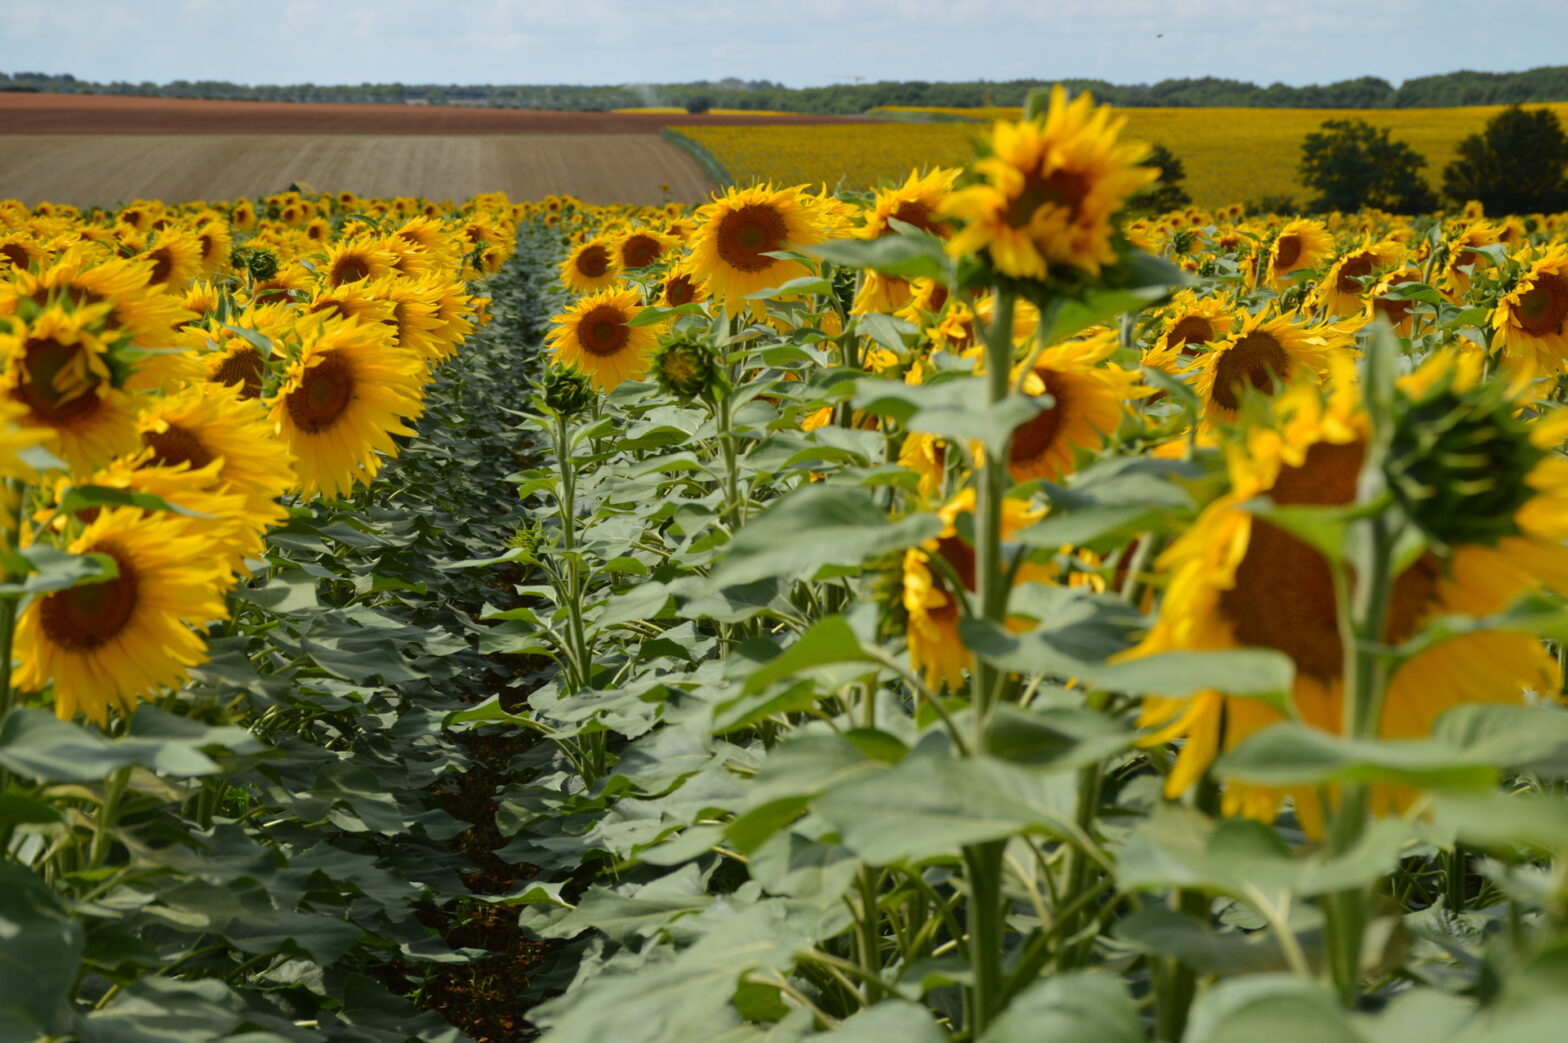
(1230,155)
(954,613)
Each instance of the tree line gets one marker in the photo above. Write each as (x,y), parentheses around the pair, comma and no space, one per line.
(1465,87)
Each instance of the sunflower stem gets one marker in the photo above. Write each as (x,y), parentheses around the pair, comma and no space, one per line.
(983,862)
(1362,625)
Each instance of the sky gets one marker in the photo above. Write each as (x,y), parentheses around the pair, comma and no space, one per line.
(796,42)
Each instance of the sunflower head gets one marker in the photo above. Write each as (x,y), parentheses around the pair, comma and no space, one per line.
(565,390)
(684,367)
(1460,455)
(596,336)
(733,249)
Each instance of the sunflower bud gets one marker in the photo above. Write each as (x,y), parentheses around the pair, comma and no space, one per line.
(684,367)
(263,263)
(565,390)
(1458,463)
(527,541)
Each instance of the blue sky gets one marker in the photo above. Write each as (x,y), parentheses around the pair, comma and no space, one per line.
(797,42)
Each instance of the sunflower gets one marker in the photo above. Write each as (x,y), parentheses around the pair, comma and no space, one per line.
(926,455)
(57,367)
(81,276)
(176,257)
(641,247)
(681,286)
(1343,290)
(109,643)
(740,229)
(16,437)
(590,267)
(1300,245)
(206,425)
(916,202)
(342,400)
(595,335)
(1048,190)
(1532,320)
(1464,258)
(1263,355)
(1236,580)
(934,645)
(1188,325)
(1088,403)
(355,259)
(1392,310)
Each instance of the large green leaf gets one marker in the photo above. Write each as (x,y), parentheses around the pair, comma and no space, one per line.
(1291,754)
(814,526)
(1082,1006)
(40,955)
(1269,1007)
(959,409)
(933,803)
(886,1022)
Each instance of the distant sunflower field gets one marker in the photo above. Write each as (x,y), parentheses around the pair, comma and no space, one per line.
(955,612)
(1230,155)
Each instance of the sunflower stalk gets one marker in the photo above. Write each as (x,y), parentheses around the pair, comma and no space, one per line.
(983,862)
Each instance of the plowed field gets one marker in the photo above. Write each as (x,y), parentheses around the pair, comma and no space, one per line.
(102,169)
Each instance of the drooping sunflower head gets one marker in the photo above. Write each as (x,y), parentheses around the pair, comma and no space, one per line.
(1301,244)
(741,229)
(595,336)
(1048,190)
(1262,356)
(60,367)
(1188,325)
(682,286)
(1087,401)
(685,367)
(590,267)
(918,202)
(1344,289)
(1532,320)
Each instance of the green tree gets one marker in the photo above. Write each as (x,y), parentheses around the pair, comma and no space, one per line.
(1165,194)
(1517,165)
(1352,165)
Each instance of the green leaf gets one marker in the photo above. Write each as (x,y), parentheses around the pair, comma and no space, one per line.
(1291,754)
(41,950)
(806,284)
(1081,1006)
(830,640)
(1501,820)
(1099,306)
(886,1022)
(907,256)
(1269,1007)
(818,525)
(54,569)
(933,803)
(959,409)
(1165,932)
(36,745)
(1524,738)
(84,497)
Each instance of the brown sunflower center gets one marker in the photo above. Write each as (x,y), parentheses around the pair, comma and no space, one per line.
(1061,188)
(603,331)
(50,388)
(243,368)
(938,297)
(639,251)
(324,392)
(1283,596)
(14,253)
(177,445)
(1287,251)
(1257,359)
(594,261)
(917,212)
(1544,308)
(271,291)
(748,234)
(162,264)
(83,618)
(1394,311)
(1352,271)
(679,290)
(959,555)
(348,268)
(1193,329)
(1036,436)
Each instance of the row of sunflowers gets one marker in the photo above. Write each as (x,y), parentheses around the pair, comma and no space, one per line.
(174,375)
(972,611)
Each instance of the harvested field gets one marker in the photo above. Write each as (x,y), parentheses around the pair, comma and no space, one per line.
(102,169)
(109,114)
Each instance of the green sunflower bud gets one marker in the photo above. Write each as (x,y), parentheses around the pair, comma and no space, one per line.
(1458,463)
(684,367)
(263,263)
(527,541)
(1182,242)
(565,390)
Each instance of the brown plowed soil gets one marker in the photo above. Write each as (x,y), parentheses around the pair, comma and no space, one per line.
(106,169)
(110,114)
